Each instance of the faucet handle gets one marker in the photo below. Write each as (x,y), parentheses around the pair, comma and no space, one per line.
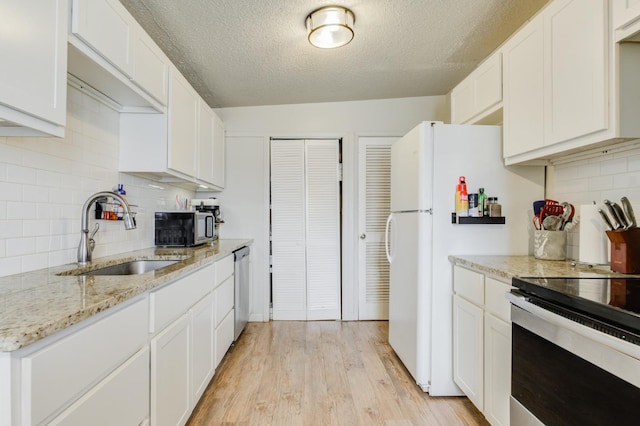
(94,231)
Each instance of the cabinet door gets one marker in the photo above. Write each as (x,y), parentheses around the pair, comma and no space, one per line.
(120,399)
(523,84)
(205,143)
(487,82)
(218,152)
(34,61)
(106,26)
(462,101)
(224,336)
(202,346)
(624,12)
(468,363)
(170,373)
(576,54)
(150,66)
(497,370)
(183,122)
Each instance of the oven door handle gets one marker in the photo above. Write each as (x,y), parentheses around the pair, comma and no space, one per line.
(607,352)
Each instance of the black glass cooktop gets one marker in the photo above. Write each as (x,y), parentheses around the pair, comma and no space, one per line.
(614,300)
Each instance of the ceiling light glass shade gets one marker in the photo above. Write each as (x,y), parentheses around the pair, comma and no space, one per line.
(330,27)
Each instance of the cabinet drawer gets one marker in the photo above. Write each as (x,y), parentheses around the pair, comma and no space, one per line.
(224,296)
(173,300)
(63,370)
(494,300)
(224,269)
(224,336)
(469,284)
(122,398)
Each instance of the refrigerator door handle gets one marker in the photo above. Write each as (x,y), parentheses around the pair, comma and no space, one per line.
(387,250)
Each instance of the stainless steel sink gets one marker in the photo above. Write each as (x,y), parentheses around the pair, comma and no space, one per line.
(133,267)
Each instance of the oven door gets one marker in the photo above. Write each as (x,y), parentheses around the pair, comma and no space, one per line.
(565,372)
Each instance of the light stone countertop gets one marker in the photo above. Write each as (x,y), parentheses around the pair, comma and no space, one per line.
(37,304)
(528,266)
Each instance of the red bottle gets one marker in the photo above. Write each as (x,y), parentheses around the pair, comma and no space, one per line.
(462,198)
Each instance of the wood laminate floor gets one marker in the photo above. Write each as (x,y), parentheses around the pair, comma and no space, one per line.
(321,373)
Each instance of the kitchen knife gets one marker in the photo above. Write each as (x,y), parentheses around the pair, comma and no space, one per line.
(628,211)
(622,219)
(606,220)
(615,223)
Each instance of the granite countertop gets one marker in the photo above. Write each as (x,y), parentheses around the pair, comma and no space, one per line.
(37,304)
(528,266)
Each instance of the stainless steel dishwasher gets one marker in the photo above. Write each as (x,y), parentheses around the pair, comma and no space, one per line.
(242,276)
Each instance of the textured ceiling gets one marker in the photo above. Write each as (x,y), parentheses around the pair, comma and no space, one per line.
(255,52)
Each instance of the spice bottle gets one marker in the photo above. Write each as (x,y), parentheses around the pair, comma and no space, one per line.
(495,209)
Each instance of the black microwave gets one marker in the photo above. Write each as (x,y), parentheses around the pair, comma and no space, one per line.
(184,228)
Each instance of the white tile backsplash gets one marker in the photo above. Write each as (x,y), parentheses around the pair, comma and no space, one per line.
(45,181)
(600,177)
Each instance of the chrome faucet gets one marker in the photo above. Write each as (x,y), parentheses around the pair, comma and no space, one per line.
(87,243)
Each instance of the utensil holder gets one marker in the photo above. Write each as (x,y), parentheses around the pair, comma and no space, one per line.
(625,250)
(550,245)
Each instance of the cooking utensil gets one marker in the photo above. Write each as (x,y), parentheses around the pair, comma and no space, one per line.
(537,206)
(567,214)
(536,222)
(615,223)
(606,220)
(628,211)
(552,223)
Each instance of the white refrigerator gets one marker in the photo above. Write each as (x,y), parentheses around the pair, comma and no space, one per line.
(425,166)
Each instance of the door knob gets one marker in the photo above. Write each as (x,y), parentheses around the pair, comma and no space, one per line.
(363,236)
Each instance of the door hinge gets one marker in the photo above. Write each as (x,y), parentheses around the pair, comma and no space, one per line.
(339,172)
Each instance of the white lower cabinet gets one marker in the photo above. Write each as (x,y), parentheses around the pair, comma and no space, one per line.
(482,342)
(170,371)
(203,346)
(122,398)
(497,358)
(468,354)
(146,361)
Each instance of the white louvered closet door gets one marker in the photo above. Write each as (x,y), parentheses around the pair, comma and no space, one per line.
(323,230)
(305,229)
(288,239)
(374,199)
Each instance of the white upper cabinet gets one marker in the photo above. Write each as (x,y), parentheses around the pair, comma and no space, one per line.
(625,18)
(184,147)
(567,85)
(218,152)
(33,86)
(150,67)
(110,52)
(106,26)
(577,101)
(478,98)
(523,89)
(183,125)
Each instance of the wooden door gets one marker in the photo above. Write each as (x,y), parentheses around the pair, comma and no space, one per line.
(374,199)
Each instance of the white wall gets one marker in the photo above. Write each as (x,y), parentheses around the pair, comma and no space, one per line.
(45,181)
(595,176)
(244,202)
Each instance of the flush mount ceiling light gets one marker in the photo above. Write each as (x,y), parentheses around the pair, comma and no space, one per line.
(330,26)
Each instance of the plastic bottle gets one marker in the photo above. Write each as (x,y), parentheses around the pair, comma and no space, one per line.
(462,200)
(482,203)
(122,193)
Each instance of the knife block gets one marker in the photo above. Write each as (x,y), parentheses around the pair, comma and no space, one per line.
(625,250)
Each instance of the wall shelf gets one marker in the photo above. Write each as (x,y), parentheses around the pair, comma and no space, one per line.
(484,220)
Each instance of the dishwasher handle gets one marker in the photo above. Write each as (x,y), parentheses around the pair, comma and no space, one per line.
(241,252)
